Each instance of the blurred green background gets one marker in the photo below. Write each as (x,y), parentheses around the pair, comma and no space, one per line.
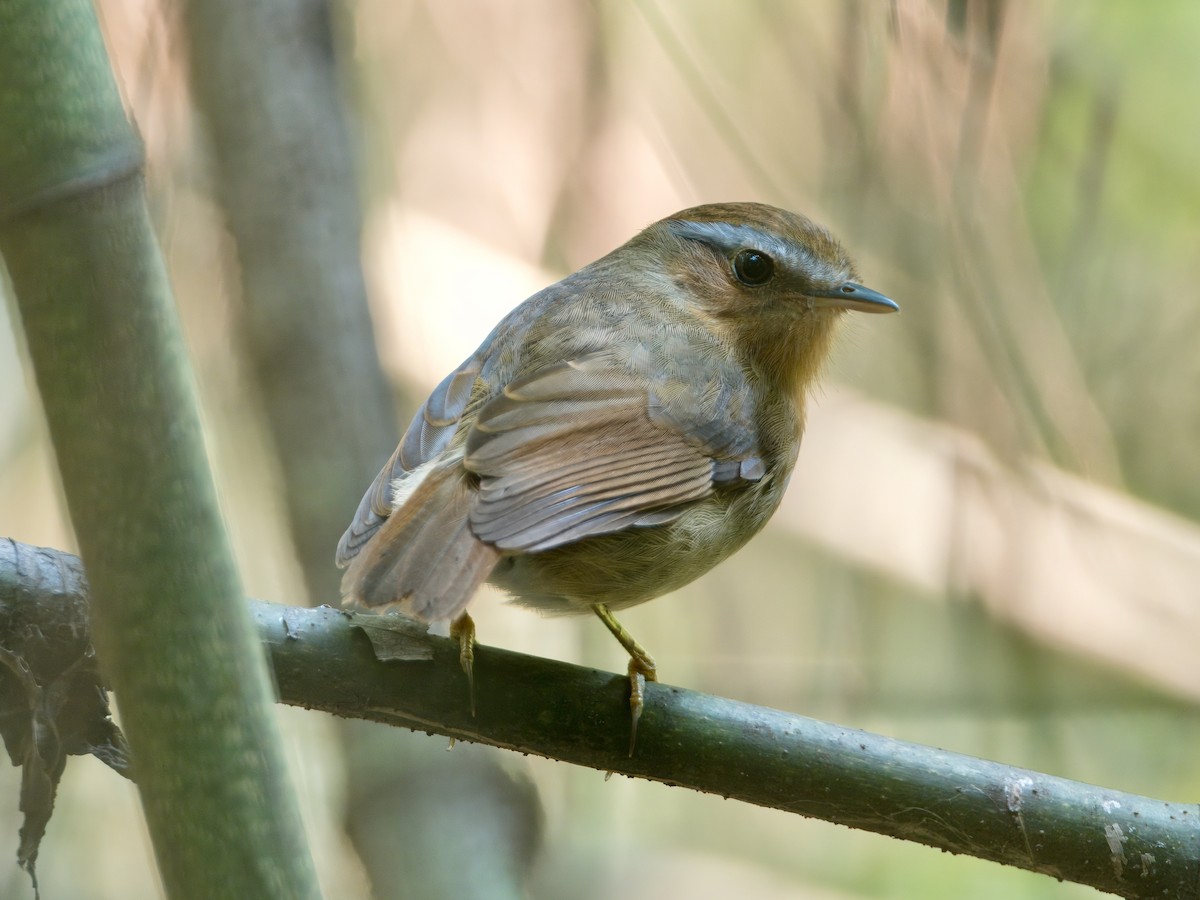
(991,542)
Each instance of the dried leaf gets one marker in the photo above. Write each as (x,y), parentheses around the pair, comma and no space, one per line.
(395,638)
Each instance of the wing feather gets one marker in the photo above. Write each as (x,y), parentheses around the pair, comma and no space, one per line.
(426,561)
(582,448)
(586,447)
(429,434)
(526,472)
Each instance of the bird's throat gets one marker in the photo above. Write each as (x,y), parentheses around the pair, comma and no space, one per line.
(791,356)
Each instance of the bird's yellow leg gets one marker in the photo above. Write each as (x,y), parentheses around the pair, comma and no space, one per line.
(463,628)
(641,668)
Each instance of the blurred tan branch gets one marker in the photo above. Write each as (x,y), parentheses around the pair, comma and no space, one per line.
(1071,562)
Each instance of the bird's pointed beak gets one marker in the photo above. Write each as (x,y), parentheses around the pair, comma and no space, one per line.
(851,295)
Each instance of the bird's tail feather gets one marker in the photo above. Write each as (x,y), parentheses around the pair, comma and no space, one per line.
(424,560)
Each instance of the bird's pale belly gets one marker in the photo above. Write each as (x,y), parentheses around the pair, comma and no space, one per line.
(635,565)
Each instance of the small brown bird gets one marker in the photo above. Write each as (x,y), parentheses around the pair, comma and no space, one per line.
(618,434)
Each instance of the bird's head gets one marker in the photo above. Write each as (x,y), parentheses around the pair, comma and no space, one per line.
(773,283)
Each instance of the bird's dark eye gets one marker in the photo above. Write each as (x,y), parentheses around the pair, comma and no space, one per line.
(752,267)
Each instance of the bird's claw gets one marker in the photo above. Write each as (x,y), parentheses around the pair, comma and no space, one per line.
(639,674)
(463,628)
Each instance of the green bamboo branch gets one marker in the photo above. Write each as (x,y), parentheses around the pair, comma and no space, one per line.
(387,669)
(173,636)
(1120,843)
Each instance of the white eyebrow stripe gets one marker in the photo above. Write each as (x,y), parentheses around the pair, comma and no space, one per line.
(729,238)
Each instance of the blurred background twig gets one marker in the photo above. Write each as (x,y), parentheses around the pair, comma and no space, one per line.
(266,84)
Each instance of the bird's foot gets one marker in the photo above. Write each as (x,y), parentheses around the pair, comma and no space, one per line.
(641,669)
(463,628)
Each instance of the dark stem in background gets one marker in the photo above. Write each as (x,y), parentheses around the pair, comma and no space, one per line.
(266,81)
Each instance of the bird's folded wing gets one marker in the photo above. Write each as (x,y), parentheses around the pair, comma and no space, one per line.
(429,434)
(586,447)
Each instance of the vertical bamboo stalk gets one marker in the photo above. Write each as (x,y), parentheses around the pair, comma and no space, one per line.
(171,627)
